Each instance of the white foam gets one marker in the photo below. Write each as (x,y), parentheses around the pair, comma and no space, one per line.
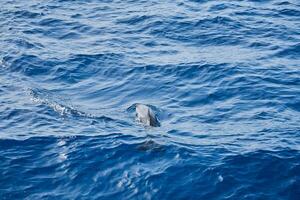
(220,178)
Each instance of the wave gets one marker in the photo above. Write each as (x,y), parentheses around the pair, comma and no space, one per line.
(58,104)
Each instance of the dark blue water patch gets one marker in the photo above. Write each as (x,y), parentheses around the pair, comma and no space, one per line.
(99,167)
(53,22)
(295,105)
(135,20)
(175,30)
(291,52)
(270,168)
(56,28)
(81,66)
(290,12)
(219,7)
(72,70)
(29,65)
(26,14)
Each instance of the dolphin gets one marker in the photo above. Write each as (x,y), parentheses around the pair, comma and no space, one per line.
(145,115)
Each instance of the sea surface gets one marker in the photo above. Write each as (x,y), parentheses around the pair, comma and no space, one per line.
(223,78)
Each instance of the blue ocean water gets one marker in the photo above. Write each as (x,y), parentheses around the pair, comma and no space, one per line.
(222,76)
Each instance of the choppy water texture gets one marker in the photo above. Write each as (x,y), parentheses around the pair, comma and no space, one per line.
(222,76)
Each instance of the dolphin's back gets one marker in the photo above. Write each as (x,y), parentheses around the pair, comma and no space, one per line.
(145,115)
